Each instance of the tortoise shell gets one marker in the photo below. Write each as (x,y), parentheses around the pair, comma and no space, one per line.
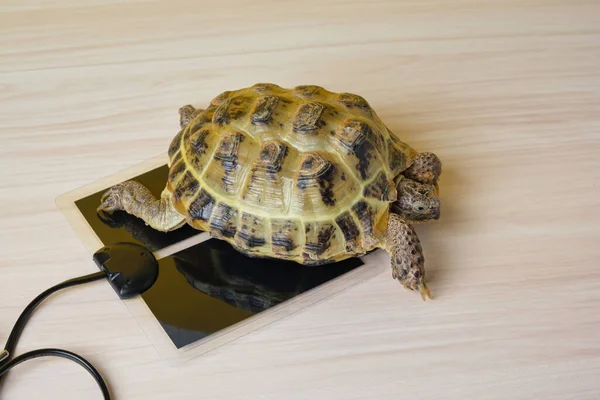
(301,174)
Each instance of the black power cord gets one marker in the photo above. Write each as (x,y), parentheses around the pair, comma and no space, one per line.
(59,353)
(17,330)
(130,269)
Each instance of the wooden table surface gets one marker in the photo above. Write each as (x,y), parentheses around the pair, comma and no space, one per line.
(507,93)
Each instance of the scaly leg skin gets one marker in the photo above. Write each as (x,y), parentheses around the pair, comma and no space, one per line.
(426,168)
(186,114)
(406,255)
(135,199)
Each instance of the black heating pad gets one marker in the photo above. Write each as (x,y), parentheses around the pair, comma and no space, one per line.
(210,286)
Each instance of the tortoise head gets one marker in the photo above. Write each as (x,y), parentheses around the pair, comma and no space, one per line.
(417,202)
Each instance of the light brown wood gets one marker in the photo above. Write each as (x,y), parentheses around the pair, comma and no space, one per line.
(507,93)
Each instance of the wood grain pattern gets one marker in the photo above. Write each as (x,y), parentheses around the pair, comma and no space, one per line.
(507,93)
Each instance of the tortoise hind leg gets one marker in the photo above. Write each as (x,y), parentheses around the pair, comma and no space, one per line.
(186,114)
(135,199)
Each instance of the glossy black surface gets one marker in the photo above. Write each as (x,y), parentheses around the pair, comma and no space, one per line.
(210,286)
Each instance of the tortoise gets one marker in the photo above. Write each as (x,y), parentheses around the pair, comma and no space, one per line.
(301,174)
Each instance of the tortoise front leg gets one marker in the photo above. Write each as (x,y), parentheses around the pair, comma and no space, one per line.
(406,255)
(135,199)
(426,168)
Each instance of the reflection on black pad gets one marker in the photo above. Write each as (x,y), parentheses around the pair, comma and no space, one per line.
(211,286)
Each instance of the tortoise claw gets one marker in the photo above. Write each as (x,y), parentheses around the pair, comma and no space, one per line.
(424,290)
(112,199)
